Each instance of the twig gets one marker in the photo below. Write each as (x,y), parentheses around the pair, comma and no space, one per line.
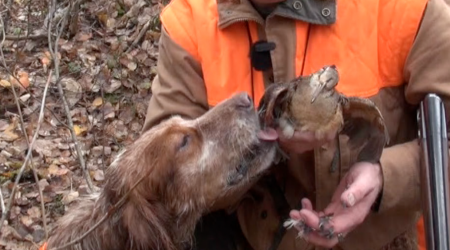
(2,202)
(111,210)
(5,22)
(35,175)
(54,54)
(22,124)
(19,38)
(28,156)
(141,34)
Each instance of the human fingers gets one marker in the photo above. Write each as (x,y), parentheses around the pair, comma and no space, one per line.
(344,220)
(316,239)
(306,204)
(310,218)
(360,184)
(317,236)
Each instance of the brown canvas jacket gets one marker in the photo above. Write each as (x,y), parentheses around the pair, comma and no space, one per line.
(179,89)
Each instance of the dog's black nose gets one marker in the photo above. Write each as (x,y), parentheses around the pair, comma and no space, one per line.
(244,101)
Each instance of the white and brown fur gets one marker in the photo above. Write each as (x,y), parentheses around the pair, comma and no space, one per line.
(191,167)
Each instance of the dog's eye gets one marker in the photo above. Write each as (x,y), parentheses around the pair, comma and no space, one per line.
(184,142)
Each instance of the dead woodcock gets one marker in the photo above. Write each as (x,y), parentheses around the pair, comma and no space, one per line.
(311,103)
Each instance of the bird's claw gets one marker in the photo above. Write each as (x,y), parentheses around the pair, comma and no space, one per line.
(301,227)
(323,220)
(304,229)
(329,233)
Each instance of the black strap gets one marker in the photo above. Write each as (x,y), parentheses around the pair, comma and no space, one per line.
(260,55)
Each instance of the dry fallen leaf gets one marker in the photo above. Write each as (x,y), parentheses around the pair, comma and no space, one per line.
(102,17)
(5,83)
(97,102)
(70,197)
(99,175)
(79,129)
(3,125)
(54,170)
(24,80)
(82,36)
(46,59)
(9,133)
(112,86)
(73,90)
(34,212)
(26,220)
(132,66)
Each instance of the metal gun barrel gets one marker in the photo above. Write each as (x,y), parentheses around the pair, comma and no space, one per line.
(434,172)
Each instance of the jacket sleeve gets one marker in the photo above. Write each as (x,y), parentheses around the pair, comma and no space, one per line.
(178,88)
(426,71)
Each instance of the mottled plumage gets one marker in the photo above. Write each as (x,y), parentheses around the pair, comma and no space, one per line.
(311,103)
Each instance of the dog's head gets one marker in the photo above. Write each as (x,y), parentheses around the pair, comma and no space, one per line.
(196,164)
(170,176)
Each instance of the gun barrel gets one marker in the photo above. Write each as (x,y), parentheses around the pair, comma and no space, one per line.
(434,172)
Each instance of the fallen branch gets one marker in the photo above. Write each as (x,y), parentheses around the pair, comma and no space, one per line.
(54,55)
(141,34)
(20,38)
(28,156)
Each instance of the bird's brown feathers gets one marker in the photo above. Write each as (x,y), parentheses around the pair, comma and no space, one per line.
(271,105)
(364,124)
(289,105)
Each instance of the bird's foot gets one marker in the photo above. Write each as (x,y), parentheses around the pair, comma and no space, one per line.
(327,233)
(323,220)
(324,230)
(300,225)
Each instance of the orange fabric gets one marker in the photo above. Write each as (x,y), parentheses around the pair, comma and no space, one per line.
(43,247)
(421,234)
(386,28)
(388,38)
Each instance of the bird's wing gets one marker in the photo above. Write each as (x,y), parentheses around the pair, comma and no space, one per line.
(365,126)
(272,103)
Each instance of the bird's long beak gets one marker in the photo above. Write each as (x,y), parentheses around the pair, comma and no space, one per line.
(317,91)
(327,77)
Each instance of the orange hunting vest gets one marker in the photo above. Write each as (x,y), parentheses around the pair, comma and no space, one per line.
(373,49)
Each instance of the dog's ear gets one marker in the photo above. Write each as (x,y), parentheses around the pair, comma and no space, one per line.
(146,225)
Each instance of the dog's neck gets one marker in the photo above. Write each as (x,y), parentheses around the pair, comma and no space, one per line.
(151,224)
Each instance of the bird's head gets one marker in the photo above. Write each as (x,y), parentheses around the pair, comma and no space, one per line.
(324,81)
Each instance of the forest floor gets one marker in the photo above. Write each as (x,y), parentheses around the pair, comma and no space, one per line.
(101,55)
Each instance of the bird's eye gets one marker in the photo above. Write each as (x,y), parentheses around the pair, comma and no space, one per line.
(184,142)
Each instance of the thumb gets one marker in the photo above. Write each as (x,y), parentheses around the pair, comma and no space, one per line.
(356,191)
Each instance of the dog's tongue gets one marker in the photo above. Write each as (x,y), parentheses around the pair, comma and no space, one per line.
(268,134)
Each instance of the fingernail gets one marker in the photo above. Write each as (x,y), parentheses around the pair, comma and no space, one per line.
(351,199)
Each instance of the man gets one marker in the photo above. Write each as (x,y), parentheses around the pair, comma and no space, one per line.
(391,51)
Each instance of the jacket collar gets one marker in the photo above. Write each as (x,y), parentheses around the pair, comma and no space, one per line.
(320,12)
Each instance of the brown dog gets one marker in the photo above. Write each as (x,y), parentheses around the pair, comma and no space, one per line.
(186,168)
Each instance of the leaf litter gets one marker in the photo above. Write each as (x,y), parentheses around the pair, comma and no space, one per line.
(106,72)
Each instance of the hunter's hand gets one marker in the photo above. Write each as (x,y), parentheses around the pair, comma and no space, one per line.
(350,205)
(303,141)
